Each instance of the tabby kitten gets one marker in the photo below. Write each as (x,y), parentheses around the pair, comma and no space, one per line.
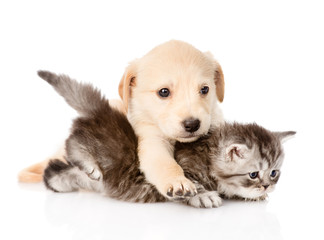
(234,160)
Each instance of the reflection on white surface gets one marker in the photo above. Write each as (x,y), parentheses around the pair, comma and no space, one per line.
(91,216)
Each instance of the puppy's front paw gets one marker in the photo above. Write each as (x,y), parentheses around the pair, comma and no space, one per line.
(180,188)
(209,199)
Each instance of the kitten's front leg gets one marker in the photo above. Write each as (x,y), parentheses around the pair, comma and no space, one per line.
(204,198)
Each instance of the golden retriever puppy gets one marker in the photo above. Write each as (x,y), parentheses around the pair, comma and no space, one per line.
(171,94)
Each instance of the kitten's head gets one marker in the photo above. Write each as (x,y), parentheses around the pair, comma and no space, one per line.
(249,165)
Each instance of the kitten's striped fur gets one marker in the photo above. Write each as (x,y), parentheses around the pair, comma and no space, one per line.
(101,154)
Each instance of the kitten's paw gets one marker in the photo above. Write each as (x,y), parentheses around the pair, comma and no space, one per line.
(180,188)
(93,172)
(262,198)
(209,199)
(55,176)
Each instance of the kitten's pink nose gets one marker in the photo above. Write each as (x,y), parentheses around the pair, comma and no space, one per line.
(266,186)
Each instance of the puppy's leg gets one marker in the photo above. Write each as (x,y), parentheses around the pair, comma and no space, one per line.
(35,172)
(62,177)
(160,169)
(78,155)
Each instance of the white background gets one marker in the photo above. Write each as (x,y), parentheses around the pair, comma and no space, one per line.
(272,56)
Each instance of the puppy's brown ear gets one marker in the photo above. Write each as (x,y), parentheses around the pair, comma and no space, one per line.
(126,83)
(219,77)
(220,83)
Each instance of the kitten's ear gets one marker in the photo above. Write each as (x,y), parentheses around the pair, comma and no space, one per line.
(235,152)
(284,136)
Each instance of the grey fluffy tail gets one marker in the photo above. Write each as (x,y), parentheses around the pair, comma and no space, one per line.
(82,97)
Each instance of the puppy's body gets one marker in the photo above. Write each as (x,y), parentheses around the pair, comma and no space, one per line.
(102,156)
(183,111)
(195,82)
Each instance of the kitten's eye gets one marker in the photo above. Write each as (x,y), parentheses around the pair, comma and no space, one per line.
(204,90)
(253,175)
(164,92)
(273,173)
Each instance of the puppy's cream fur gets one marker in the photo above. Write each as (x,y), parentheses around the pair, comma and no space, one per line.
(35,172)
(158,121)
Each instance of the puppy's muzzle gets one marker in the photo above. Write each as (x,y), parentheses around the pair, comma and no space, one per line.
(191,125)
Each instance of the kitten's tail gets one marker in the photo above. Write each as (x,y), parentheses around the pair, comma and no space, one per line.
(82,97)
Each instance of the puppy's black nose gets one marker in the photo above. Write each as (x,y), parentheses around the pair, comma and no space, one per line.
(191,125)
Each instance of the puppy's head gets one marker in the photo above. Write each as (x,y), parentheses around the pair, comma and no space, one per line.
(174,87)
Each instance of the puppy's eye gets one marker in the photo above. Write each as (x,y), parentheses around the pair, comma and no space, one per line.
(204,90)
(273,173)
(253,175)
(164,92)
